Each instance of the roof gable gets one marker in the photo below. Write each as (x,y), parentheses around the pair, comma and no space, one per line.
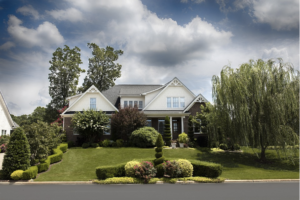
(6,111)
(200,98)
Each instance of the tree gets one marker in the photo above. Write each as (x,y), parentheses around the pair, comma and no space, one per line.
(126,121)
(191,128)
(51,113)
(64,75)
(259,104)
(167,131)
(102,70)
(17,153)
(159,150)
(90,124)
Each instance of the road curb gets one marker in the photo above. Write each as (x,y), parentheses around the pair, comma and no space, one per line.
(261,180)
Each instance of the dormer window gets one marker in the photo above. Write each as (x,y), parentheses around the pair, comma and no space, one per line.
(93,104)
(175,102)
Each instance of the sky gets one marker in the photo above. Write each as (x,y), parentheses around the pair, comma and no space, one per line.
(188,39)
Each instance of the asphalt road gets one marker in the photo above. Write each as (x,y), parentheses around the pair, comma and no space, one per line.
(232,191)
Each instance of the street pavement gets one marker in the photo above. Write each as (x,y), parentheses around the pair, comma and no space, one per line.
(224,191)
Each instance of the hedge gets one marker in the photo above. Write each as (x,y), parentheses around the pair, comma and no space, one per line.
(105,172)
(30,173)
(206,169)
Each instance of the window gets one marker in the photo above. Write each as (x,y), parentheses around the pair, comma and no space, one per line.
(3,132)
(175,126)
(93,103)
(130,104)
(125,104)
(175,102)
(140,104)
(75,131)
(107,130)
(135,104)
(182,103)
(197,127)
(161,125)
(149,122)
(169,102)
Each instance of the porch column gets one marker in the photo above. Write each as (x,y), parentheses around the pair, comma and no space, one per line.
(182,127)
(171,122)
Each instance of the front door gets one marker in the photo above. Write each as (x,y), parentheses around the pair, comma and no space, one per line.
(176,127)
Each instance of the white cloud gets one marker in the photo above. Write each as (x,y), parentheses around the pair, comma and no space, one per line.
(70,14)
(195,1)
(7,45)
(45,35)
(29,11)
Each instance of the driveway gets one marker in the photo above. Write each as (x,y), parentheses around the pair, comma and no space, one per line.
(1,159)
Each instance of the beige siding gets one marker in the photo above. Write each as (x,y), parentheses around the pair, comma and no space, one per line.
(84,103)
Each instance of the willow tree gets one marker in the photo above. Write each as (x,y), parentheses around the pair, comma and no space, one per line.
(259,103)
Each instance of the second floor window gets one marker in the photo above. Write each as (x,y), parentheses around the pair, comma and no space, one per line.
(125,104)
(131,104)
(169,102)
(175,102)
(182,103)
(140,104)
(93,103)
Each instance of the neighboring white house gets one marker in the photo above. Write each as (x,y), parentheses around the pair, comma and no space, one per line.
(173,99)
(6,122)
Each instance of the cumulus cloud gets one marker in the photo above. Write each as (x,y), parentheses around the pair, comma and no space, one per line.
(7,45)
(29,11)
(70,14)
(45,35)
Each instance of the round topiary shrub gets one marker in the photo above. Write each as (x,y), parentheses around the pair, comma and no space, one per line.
(94,145)
(223,146)
(120,142)
(17,175)
(17,155)
(144,137)
(129,170)
(186,167)
(106,143)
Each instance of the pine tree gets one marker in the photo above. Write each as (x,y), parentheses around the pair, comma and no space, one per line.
(167,131)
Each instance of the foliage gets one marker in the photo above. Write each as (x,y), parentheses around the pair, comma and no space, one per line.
(85,145)
(30,173)
(104,172)
(90,124)
(70,144)
(145,170)
(94,145)
(103,71)
(144,137)
(106,143)
(191,128)
(183,138)
(42,138)
(186,167)
(17,154)
(203,179)
(129,168)
(4,139)
(51,113)
(159,151)
(223,146)
(3,148)
(206,169)
(120,142)
(258,104)
(59,119)
(17,175)
(119,180)
(126,121)
(167,131)
(38,114)
(171,169)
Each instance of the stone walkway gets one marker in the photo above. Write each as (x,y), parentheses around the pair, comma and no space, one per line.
(1,159)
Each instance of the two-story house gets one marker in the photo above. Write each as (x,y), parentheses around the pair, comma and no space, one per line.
(172,99)
(6,122)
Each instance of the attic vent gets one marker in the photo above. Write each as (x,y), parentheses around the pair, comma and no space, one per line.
(92,90)
(200,99)
(176,83)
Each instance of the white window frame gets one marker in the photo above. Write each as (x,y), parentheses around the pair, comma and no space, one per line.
(125,104)
(179,102)
(3,132)
(169,102)
(93,104)
(108,126)
(130,102)
(140,105)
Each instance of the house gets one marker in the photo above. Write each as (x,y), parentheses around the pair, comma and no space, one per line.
(172,99)
(6,122)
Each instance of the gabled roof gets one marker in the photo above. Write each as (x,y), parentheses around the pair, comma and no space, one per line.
(6,111)
(91,89)
(200,98)
(175,81)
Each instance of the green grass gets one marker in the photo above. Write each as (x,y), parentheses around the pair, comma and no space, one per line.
(79,164)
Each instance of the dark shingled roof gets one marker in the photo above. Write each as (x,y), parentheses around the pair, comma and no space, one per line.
(113,93)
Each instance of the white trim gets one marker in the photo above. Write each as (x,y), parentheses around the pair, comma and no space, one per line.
(90,89)
(171,82)
(153,90)
(71,97)
(171,127)
(6,111)
(182,128)
(200,98)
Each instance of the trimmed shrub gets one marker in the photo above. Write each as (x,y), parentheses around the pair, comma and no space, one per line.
(106,143)
(186,167)
(206,169)
(105,172)
(223,146)
(158,161)
(95,145)
(160,170)
(70,144)
(44,166)
(129,170)
(158,149)
(144,137)
(63,147)
(17,155)
(119,180)
(145,170)
(235,147)
(17,175)
(57,155)
(85,145)
(171,169)
(159,153)
(120,142)
(167,131)
(183,138)
(63,137)
(30,173)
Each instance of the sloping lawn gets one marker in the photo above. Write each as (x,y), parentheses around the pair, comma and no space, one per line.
(79,164)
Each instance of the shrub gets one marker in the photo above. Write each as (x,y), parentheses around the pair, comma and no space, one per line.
(158,161)
(114,144)
(145,170)
(183,138)
(63,147)
(30,173)
(159,153)
(186,167)
(171,169)
(129,170)
(63,137)
(70,144)
(167,132)
(17,155)
(85,145)
(106,143)
(235,147)
(104,172)
(223,146)
(191,128)
(120,142)
(206,169)
(94,145)
(144,137)
(17,175)
(160,170)
(3,148)
(4,139)
(119,180)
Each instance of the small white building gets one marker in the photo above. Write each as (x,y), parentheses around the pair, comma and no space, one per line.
(6,122)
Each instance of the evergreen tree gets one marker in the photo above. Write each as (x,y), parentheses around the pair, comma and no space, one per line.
(159,150)
(167,131)
(17,154)
(191,128)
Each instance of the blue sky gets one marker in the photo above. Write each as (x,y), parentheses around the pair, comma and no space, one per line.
(188,39)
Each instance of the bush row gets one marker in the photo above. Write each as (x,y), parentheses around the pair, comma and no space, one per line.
(30,173)
(206,169)
(105,172)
